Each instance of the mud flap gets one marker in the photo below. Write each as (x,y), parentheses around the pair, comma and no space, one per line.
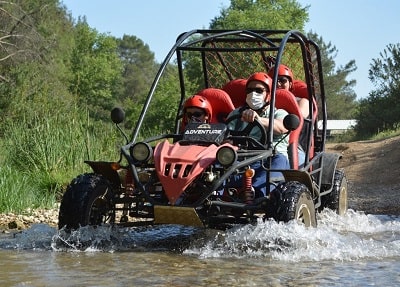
(176,215)
(300,176)
(330,161)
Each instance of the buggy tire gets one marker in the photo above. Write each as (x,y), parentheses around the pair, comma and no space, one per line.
(296,204)
(337,199)
(87,201)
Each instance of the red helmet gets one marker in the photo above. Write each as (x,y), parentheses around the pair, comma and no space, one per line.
(198,102)
(282,71)
(261,77)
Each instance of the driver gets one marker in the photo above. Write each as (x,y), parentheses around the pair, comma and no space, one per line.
(258,87)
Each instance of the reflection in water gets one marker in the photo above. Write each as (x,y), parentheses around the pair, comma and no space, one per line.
(356,250)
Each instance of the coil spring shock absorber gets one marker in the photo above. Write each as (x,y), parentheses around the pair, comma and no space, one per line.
(129,182)
(248,186)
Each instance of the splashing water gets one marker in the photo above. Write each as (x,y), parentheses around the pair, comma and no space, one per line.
(351,237)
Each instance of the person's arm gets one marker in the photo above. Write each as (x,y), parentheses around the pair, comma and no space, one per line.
(249,115)
(304,107)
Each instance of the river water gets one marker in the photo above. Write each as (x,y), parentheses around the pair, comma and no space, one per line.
(353,250)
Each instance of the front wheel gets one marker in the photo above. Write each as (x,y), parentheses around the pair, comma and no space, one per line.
(296,204)
(87,201)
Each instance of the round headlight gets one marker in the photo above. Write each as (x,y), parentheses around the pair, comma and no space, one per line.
(141,151)
(226,156)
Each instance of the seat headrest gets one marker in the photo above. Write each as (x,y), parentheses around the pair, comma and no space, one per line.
(237,91)
(220,102)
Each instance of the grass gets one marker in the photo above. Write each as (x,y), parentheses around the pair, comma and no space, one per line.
(386,134)
(19,191)
(351,136)
(38,162)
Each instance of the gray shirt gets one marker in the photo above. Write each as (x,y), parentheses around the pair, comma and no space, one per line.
(282,147)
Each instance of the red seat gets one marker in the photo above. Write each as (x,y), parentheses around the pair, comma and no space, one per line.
(300,90)
(286,100)
(220,102)
(236,89)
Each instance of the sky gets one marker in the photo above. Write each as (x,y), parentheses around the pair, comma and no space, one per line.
(359,29)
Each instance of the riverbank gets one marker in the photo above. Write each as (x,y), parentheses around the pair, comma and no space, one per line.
(13,222)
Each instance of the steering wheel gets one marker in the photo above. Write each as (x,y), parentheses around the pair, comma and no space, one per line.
(256,124)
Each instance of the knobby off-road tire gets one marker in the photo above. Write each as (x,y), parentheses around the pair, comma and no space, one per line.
(85,202)
(296,204)
(337,199)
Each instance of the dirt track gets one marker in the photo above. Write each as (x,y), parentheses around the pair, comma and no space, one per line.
(373,174)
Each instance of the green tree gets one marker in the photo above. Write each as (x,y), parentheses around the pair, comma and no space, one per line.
(340,96)
(262,14)
(139,67)
(96,70)
(35,49)
(380,111)
(20,40)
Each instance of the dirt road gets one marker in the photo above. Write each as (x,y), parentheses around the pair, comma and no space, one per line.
(373,174)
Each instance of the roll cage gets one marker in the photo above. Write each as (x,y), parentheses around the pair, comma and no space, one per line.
(212,58)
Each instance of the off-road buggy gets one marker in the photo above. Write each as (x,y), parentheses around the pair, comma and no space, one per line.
(181,174)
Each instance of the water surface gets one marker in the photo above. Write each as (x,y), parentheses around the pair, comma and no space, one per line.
(354,250)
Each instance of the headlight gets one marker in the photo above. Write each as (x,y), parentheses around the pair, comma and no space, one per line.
(141,151)
(226,156)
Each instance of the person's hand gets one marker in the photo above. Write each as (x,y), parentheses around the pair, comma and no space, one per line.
(249,115)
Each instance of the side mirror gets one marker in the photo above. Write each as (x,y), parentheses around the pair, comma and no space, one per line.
(291,122)
(117,115)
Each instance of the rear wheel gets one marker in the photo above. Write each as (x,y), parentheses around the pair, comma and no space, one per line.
(337,199)
(296,204)
(86,202)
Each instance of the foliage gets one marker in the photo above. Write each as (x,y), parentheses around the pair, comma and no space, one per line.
(340,96)
(380,111)
(262,14)
(96,70)
(139,67)
(36,46)
(139,70)
(20,40)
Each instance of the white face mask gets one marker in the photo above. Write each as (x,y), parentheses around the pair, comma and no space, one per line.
(255,100)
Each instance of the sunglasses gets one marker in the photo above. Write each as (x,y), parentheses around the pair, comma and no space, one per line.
(194,115)
(283,80)
(257,90)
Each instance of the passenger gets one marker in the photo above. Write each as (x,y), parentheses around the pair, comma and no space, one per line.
(286,81)
(258,88)
(196,109)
